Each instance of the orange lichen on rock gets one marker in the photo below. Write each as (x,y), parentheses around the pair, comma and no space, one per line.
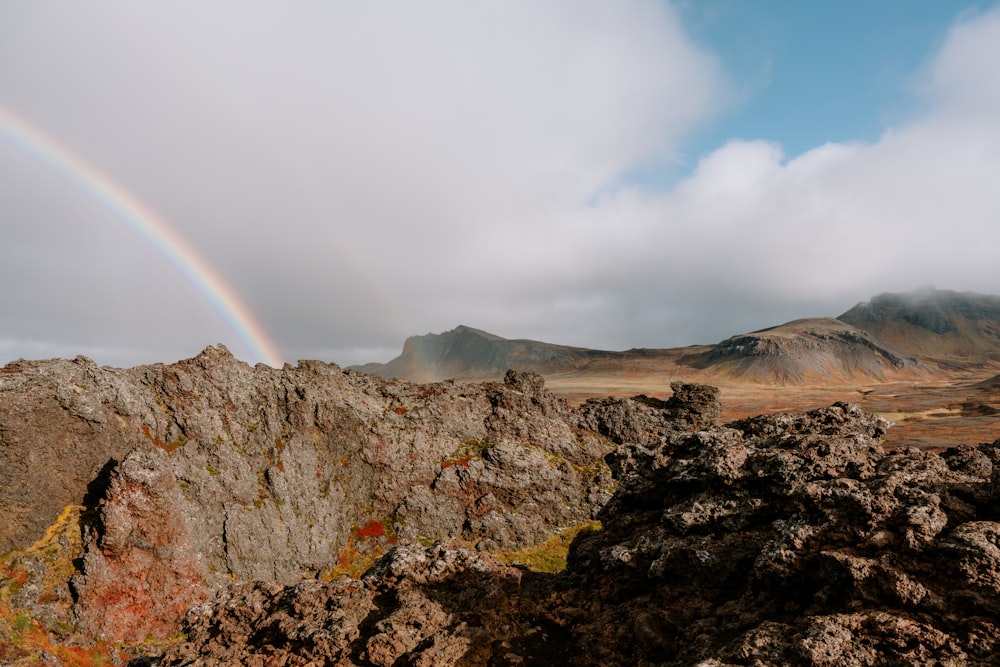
(374,528)
(141,573)
(25,640)
(366,545)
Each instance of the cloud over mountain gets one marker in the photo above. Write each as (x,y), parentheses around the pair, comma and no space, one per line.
(360,174)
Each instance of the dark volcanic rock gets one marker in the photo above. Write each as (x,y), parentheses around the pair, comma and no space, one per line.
(646,419)
(403,609)
(232,473)
(783,540)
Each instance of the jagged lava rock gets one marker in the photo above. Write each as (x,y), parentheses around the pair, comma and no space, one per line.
(781,540)
(281,474)
(390,615)
(646,419)
(141,572)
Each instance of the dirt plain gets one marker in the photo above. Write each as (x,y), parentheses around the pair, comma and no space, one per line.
(954,406)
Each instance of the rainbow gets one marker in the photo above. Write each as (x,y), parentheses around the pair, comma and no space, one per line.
(149,225)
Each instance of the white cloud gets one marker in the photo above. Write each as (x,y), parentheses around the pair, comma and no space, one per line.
(358,167)
(962,78)
(919,206)
(365,172)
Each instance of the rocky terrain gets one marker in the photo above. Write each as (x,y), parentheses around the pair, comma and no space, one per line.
(130,495)
(210,513)
(782,540)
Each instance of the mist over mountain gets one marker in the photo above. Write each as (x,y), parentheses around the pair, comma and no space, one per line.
(938,324)
(807,350)
(891,337)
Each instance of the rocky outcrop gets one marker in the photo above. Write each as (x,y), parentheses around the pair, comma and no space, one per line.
(140,571)
(691,407)
(201,473)
(938,324)
(780,540)
(420,605)
(469,353)
(809,350)
(251,494)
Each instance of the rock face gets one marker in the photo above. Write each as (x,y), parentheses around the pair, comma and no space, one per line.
(469,353)
(140,571)
(201,473)
(67,419)
(939,324)
(810,350)
(781,540)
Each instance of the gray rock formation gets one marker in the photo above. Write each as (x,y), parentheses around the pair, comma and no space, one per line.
(644,419)
(781,540)
(243,473)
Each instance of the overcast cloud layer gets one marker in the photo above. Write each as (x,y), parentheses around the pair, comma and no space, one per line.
(363,172)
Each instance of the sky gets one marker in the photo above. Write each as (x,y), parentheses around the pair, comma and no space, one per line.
(320,180)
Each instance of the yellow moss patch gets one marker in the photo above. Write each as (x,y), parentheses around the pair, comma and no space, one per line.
(60,546)
(67,523)
(48,565)
(23,641)
(549,556)
(365,545)
(51,557)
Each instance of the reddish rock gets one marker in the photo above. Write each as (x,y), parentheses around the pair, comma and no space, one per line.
(140,571)
(781,540)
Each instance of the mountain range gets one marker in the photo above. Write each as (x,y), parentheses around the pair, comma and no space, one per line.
(892,337)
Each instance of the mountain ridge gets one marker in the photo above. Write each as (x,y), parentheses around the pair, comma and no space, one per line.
(434,357)
(938,324)
(808,349)
(891,337)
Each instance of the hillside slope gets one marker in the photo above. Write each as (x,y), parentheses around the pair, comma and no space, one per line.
(804,351)
(800,352)
(892,337)
(937,324)
(472,354)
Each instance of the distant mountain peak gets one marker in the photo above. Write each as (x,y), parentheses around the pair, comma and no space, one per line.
(465,330)
(933,322)
(806,350)
(469,353)
(892,336)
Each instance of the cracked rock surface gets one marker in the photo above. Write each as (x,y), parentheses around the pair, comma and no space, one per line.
(781,540)
(199,474)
